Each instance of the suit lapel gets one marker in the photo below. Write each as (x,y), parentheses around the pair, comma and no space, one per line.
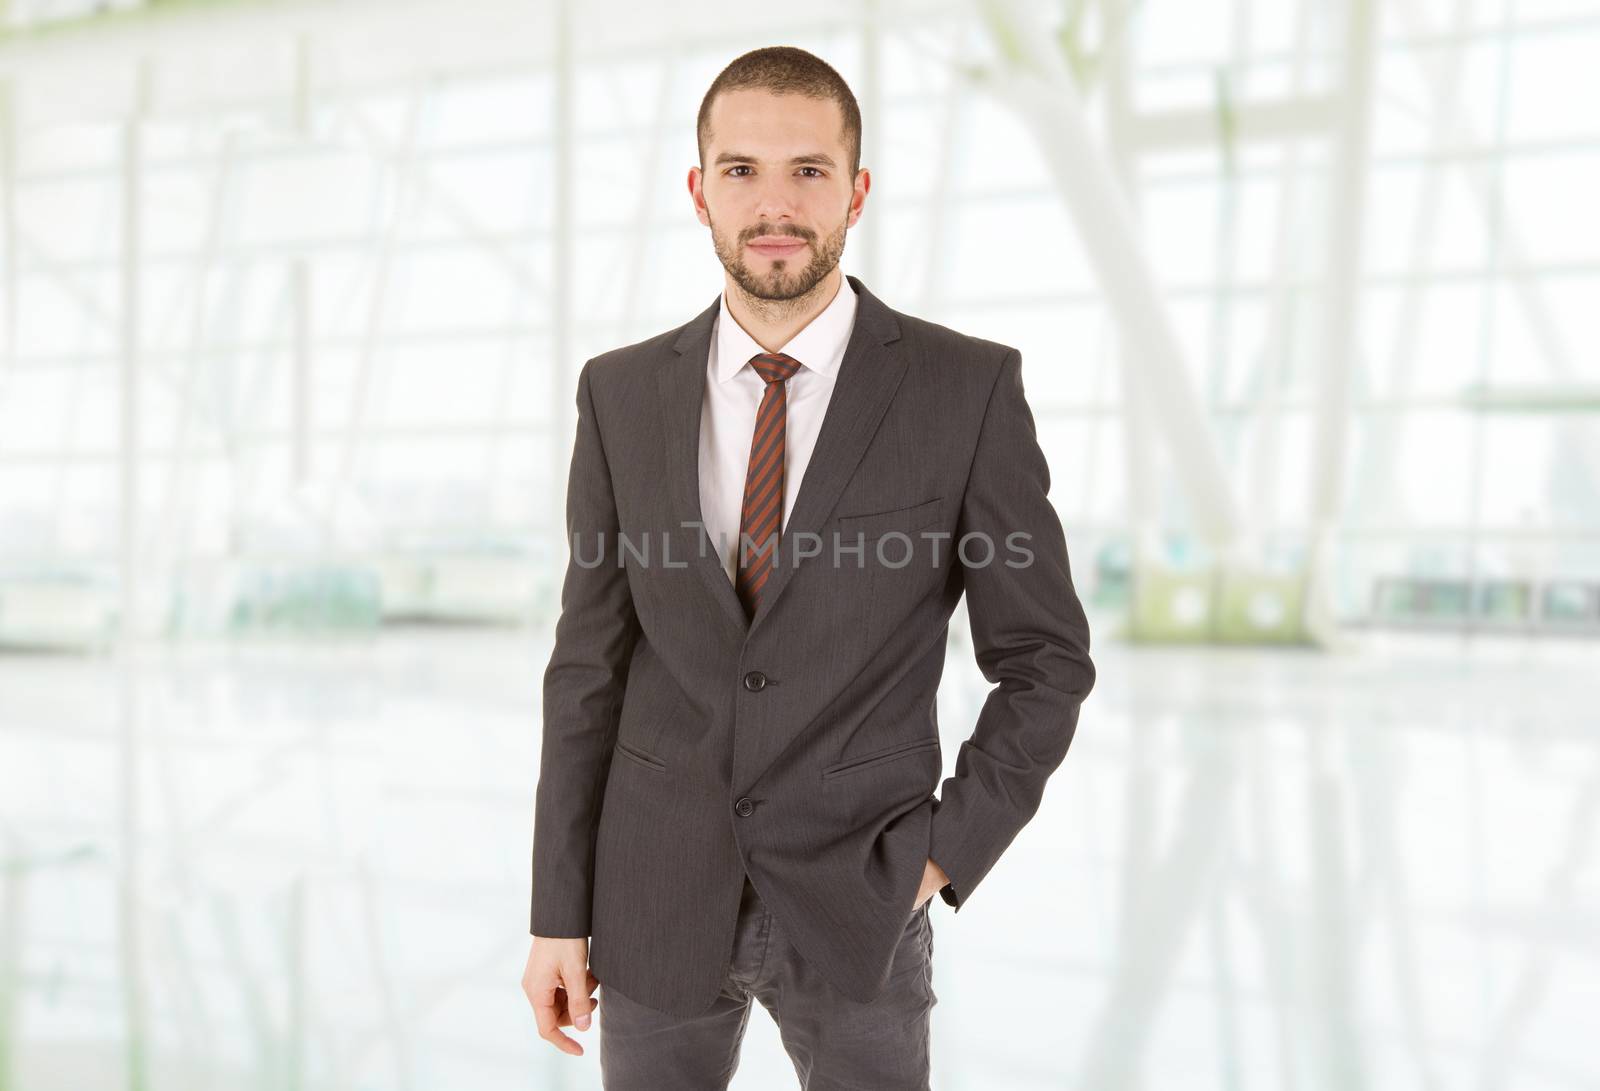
(680,386)
(869,375)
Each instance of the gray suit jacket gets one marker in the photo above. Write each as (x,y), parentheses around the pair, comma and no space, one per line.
(685,747)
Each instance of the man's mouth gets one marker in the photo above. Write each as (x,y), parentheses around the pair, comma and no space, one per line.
(776,246)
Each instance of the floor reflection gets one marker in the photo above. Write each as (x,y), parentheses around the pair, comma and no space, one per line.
(295,866)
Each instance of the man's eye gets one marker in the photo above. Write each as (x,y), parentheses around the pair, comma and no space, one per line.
(817,171)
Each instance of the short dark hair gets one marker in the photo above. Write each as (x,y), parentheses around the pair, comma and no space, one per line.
(785,70)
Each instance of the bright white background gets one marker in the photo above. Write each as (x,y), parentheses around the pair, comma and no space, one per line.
(293,298)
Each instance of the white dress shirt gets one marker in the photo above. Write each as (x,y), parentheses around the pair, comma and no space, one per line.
(733,394)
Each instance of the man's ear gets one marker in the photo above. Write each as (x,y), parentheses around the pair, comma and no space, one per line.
(697,195)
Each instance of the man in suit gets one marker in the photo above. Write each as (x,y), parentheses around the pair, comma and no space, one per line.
(773,510)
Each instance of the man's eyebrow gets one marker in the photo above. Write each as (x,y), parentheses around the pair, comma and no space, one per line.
(815,159)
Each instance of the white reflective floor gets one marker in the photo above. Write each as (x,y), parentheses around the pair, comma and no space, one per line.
(294,866)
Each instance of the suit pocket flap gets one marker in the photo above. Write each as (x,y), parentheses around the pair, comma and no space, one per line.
(899,750)
(649,761)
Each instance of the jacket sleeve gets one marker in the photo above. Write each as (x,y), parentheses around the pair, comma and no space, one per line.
(583,686)
(1030,638)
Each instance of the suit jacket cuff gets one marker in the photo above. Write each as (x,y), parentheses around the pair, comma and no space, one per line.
(967,838)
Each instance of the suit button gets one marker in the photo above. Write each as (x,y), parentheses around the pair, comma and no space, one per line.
(755,681)
(746,806)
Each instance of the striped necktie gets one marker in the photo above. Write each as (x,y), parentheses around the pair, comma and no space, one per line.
(761,514)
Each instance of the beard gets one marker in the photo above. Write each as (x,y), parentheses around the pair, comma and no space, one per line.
(780,282)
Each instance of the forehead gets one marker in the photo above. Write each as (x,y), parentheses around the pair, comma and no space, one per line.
(758,122)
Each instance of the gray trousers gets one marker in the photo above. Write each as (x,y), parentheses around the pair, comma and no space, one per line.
(833,1041)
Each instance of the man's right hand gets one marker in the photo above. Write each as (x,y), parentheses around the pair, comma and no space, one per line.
(560,987)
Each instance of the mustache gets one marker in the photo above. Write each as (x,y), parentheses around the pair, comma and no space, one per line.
(757,232)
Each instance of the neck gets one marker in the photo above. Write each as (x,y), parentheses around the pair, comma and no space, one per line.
(772,322)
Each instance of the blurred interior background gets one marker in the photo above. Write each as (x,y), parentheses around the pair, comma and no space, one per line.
(293,299)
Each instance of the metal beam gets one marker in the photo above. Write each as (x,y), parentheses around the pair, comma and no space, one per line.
(1036,83)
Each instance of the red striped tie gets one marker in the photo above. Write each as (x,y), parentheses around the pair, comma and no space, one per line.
(761,515)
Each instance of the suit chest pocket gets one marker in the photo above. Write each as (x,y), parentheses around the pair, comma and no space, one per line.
(874,525)
(897,557)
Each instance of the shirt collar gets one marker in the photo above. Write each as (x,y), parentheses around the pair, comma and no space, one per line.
(819,346)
